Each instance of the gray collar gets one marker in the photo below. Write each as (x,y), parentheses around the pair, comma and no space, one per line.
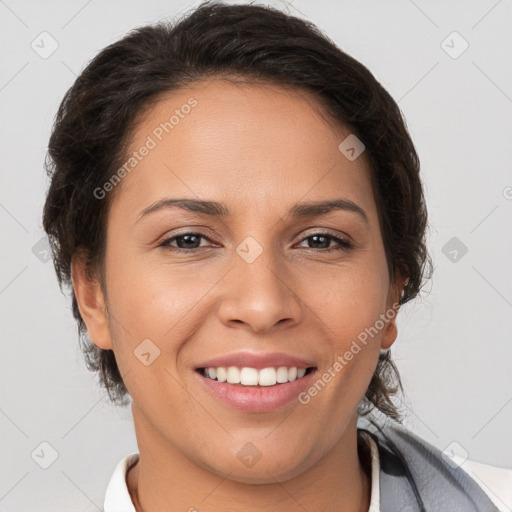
(415,477)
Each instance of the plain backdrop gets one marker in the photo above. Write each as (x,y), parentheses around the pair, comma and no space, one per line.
(445,63)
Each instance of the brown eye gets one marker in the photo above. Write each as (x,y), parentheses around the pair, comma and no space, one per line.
(322,240)
(185,242)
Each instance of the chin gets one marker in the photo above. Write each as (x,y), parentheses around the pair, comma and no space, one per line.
(262,471)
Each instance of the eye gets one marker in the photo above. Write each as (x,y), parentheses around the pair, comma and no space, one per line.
(190,242)
(186,242)
(321,239)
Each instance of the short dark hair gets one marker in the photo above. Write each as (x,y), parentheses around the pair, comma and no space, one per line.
(252,43)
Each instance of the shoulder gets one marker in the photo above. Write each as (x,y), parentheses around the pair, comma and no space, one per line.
(436,478)
(494,480)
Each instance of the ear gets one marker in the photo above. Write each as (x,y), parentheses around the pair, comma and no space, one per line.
(395,291)
(91,302)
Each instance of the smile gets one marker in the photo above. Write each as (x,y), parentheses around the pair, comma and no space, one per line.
(253,390)
(248,376)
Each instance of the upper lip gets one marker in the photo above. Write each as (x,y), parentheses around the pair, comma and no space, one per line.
(258,361)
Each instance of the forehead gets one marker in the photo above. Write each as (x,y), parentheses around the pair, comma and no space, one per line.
(242,144)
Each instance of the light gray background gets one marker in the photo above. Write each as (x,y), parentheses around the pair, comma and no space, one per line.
(454,348)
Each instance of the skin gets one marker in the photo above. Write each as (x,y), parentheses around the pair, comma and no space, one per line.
(259,149)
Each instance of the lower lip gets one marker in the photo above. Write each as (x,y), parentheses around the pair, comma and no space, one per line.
(257,398)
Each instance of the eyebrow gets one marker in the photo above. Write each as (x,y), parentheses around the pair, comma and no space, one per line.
(216,209)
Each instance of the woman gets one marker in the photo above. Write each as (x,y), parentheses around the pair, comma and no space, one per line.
(238,207)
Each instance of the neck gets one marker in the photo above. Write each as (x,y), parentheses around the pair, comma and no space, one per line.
(339,481)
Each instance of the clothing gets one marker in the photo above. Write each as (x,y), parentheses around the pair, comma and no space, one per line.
(416,476)
(117,497)
(407,475)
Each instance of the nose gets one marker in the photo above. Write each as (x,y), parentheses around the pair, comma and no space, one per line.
(260,295)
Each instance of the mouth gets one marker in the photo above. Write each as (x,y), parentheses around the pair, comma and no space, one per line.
(253,390)
(247,376)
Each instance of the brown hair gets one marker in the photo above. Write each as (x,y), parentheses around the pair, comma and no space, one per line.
(98,114)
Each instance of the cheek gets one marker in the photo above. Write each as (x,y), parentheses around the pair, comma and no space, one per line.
(151,299)
(352,300)
(352,313)
(351,305)
(351,309)
(151,309)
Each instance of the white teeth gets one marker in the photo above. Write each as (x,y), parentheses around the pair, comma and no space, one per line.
(268,377)
(221,374)
(249,376)
(233,375)
(253,377)
(282,374)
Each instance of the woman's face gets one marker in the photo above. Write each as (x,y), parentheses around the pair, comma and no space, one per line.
(262,278)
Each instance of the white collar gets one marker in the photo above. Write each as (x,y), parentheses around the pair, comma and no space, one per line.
(375,492)
(117,497)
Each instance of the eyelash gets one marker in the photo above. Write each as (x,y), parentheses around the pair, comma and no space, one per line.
(344,245)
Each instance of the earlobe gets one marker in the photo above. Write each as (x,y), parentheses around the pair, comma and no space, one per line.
(391,330)
(390,335)
(91,303)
